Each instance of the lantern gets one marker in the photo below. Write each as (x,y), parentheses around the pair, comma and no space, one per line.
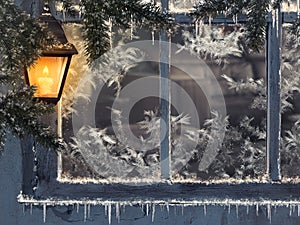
(48,74)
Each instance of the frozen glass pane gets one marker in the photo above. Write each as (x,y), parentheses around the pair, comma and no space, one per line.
(290,107)
(230,146)
(235,136)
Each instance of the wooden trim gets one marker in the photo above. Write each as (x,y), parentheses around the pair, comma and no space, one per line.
(164,103)
(187,192)
(273,95)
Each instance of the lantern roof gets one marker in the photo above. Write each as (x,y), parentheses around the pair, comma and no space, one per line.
(63,47)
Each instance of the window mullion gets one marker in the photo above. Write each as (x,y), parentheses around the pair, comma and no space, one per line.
(164,101)
(273,94)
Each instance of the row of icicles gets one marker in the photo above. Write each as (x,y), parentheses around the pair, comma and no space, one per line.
(149,209)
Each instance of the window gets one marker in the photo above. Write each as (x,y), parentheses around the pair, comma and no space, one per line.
(135,167)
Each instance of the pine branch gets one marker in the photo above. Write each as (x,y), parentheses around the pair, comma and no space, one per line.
(122,13)
(256,23)
(21,41)
(256,14)
(20,112)
(29,38)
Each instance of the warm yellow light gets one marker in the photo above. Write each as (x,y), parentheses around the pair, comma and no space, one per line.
(46,74)
(46,71)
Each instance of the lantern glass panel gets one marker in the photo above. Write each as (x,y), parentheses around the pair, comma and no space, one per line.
(47,74)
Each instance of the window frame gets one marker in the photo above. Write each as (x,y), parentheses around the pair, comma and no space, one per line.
(273,191)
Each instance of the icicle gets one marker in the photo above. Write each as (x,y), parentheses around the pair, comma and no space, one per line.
(200,27)
(294,208)
(170,53)
(109,213)
(124,208)
(131,27)
(209,20)
(204,210)
(153,36)
(196,28)
(298,210)
(229,208)
(168,208)
(30,209)
(64,15)
(237,211)
(89,211)
(153,212)
(118,212)
(256,209)
(269,212)
(290,210)
(44,212)
(77,207)
(110,24)
(105,209)
(147,209)
(23,209)
(235,19)
(84,214)
(247,209)
(182,206)
(275,209)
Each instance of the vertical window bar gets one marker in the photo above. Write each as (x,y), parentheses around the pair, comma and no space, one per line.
(60,135)
(164,100)
(273,93)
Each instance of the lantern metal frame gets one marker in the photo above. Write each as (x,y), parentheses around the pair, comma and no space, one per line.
(64,49)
